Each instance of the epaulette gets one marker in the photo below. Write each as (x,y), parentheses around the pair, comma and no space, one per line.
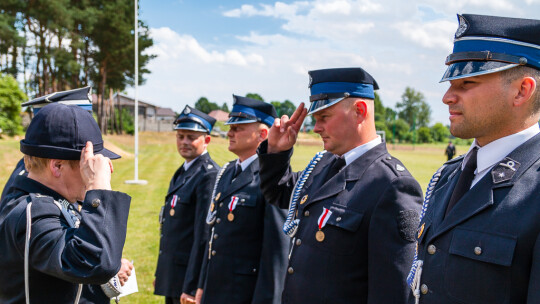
(456,159)
(395,165)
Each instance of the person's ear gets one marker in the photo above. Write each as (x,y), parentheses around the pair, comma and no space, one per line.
(525,91)
(55,167)
(360,107)
(207,139)
(263,134)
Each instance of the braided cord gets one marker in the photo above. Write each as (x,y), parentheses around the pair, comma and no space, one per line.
(211,216)
(413,279)
(291,224)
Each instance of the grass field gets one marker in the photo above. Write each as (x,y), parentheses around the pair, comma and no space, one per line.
(158,160)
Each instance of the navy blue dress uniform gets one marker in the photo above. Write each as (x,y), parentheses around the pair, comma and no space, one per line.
(247,252)
(353,230)
(61,256)
(485,248)
(183,217)
(81,97)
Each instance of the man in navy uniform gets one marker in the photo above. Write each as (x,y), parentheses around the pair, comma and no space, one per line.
(354,209)
(82,98)
(44,243)
(479,239)
(247,252)
(183,217)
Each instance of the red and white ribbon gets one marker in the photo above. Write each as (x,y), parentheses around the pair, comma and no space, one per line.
(324,218)
(233,202)
(173,201)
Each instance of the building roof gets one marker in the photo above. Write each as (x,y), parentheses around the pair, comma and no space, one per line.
(168,112)
(219,115)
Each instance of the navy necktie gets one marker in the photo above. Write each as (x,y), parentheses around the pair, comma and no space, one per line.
(337,164)
(464,182)
(237,170)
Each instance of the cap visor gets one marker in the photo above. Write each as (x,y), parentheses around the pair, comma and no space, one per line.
(322,104)
(239,120)
(108,153)
(191,126)
(464,69)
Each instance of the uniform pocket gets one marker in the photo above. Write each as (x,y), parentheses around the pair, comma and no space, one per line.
(245,200)
(477,269)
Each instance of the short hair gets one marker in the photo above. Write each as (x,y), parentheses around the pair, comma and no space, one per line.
(510,75)
(38,164)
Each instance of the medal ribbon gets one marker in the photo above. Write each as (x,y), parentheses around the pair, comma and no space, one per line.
(324,218)
(232,204)
(173,201)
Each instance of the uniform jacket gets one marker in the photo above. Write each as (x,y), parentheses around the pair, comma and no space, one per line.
(19,170)
(247,255)
(369,238)
(60,256)
(184,234)
(90,293)
(487,248)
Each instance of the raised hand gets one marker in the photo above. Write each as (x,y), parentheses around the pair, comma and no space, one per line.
(284,131)
(95,169)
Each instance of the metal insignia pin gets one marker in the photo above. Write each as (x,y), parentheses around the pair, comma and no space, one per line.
(304,199)
(463,26)
(187,111)
(217,196)
(421,230)
(319,236)
(400,167)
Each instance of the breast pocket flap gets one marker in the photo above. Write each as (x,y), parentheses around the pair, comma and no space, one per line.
(482,246)
(345,218)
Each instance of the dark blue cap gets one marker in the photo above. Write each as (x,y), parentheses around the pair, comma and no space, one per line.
(81,97)
(248,110)
(61,131)
(194,120)
(330,86)
(490,44)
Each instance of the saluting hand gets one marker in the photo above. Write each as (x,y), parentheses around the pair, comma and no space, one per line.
(284,131)
(95,169)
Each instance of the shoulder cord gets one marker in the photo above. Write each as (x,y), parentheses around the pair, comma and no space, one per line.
(27,254)
(291,224)
(211,216)
(413,279)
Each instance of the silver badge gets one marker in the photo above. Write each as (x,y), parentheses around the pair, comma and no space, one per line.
(210,166)
(310,81)
(187,111)
(400,167)
(463,27)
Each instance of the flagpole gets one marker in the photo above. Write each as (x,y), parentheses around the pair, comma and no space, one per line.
(136,179)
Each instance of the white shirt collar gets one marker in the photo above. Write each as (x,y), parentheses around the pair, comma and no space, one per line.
(247,161)
(189,163)
(490,154)
(355,153)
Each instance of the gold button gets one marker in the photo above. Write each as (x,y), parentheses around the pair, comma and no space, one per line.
(306,213)
(424,289)
(298,242)
(431,249)
(218,220)
(96,202)
(290,270)
(213,252)
(477,250)
(215,236)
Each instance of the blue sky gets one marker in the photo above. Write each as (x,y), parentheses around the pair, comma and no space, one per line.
(219,48)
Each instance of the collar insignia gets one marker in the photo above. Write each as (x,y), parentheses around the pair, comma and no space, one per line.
(504,170)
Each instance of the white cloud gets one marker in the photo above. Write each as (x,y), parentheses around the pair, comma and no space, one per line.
(278,10)
(434,34)
(169,45)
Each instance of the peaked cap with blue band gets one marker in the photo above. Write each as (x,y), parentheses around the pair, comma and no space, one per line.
(194,120)
(330,86)
(60,131)
(81,97)
(248,110)
(490,44)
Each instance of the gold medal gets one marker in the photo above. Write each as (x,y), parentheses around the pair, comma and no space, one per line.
(319,236)
(212,206)
(217,197)
(230,217)
(304,199)
(171,212)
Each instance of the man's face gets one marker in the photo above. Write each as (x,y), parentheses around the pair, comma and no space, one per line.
(191,144)
(479,107)
(244,138)
(336,126)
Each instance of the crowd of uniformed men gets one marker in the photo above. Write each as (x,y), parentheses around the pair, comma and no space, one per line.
(350,228)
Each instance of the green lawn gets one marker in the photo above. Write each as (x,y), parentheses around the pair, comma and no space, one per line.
(158,160)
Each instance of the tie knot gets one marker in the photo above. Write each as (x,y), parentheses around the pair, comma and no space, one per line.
(472,161)
(237,170)
(339,163)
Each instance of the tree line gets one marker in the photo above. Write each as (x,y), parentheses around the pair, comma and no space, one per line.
(56,45)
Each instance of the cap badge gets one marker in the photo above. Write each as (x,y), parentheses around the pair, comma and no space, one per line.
(310,81)
(463,27)
(187,111)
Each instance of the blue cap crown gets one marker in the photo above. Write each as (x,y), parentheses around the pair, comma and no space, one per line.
(81,97)
(330,86)
(248,110)
(61,131)
(194,120)
(490,44)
